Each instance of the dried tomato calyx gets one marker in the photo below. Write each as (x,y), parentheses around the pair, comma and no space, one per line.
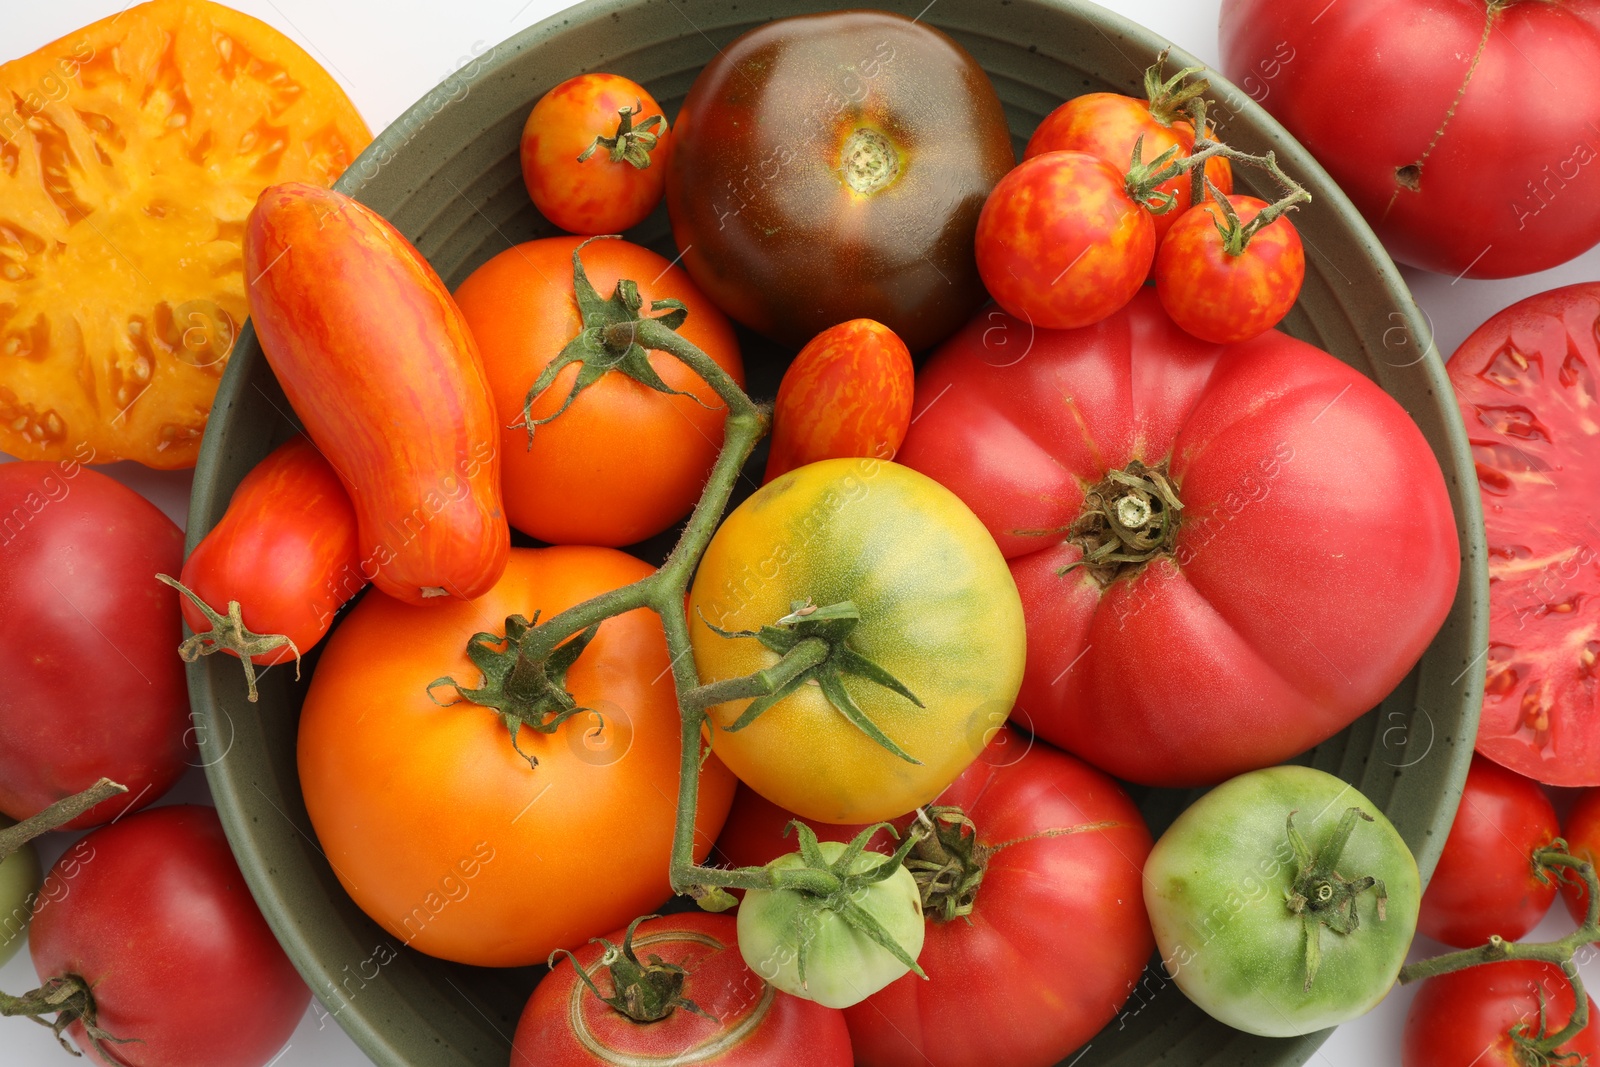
(69,1000)
(1127,520)
(645,992)
(631,144)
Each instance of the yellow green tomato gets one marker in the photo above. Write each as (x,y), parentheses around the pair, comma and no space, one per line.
(940,631)
(19,881)
(806,946)
(1283,901)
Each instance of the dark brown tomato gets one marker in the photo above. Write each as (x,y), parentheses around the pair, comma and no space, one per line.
(831,167)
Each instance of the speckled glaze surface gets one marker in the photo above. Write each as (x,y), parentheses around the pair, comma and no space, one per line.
(446,175)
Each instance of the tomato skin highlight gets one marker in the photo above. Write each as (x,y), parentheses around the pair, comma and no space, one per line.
(379,364)
(1464,1019)
(1485,882)
(624,462)
(1060,242)
(439,829)
(153,913)
(848,393)
(286,549)
(595,196)
(1224,298)
(1190,656)
(754,1024)
(78,557)
(1107,125)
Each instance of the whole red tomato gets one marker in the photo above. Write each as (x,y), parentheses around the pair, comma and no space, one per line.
(831,167)
(1220,293)
(624,461)
(1462,131)
(1108,125)
(286,550)
(1581,828)
(88,642)
(1465,1019)
(152,916)
(378,362)
(1291,592)
(741,1021)
(1525,381)
(469,842)
(593,154)
(848,393)
(1485,882)
(1061,244)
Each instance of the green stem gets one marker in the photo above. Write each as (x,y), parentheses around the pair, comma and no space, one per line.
(57,815)
(801,658)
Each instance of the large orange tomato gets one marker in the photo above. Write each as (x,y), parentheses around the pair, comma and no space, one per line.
(130,153)
(624,461)
(448,836)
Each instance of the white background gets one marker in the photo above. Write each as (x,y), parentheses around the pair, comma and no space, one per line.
(387,54)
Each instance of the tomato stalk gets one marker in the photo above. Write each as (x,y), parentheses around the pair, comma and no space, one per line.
(70,1001)
(228,632)
(57,815)
(644,992)
(1535,1046)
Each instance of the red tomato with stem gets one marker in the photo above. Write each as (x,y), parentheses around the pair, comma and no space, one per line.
(1526,383)
(1284,461)
(1108,125)
(287,551)
(624,461)
(1061,244)
(152,920)
(1486,882)
(848,393)
(1464,132)
(1581,828)
(88,630)
(379,364)
(1465,1019)
(750,1023)
(1224,289)
(594,154)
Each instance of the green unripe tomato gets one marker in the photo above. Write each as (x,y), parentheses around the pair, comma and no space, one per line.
(1233,906)
(843,965)
(19,880)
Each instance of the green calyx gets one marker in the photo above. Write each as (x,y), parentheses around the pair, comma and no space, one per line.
(1320,895)
(645,992)
(609,340)
(1127,520)
(837,887)
(814,643)
(1169,97)
(69,1000)
(228,632)
(525,682)
(631,144)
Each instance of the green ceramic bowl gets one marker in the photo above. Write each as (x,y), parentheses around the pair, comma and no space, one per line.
(447,175)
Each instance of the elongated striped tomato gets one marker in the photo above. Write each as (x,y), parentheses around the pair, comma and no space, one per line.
(286,550)
(846,395)
(378,362)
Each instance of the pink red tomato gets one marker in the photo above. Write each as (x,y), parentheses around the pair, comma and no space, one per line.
(594,152)
(1060,242)
(154,917)
(1223,295)
(741,1022)
(1485,882)
(1292,592)
(78,558)
(1465,1019)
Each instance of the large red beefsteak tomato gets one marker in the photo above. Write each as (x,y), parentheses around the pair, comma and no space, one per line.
(1465,131)
(1272,541)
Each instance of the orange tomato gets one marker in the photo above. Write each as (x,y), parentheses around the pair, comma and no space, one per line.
(624,461)
(1221,297)
(440,830)
(378,362)
(580,184)
(130,153)
(848,393)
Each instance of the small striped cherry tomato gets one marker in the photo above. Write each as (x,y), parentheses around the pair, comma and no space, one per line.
(1227,296)
(594,154)
(1061,244)
(267,580)
(847,394)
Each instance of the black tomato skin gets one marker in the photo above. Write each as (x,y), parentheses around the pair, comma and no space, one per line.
(831,167)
